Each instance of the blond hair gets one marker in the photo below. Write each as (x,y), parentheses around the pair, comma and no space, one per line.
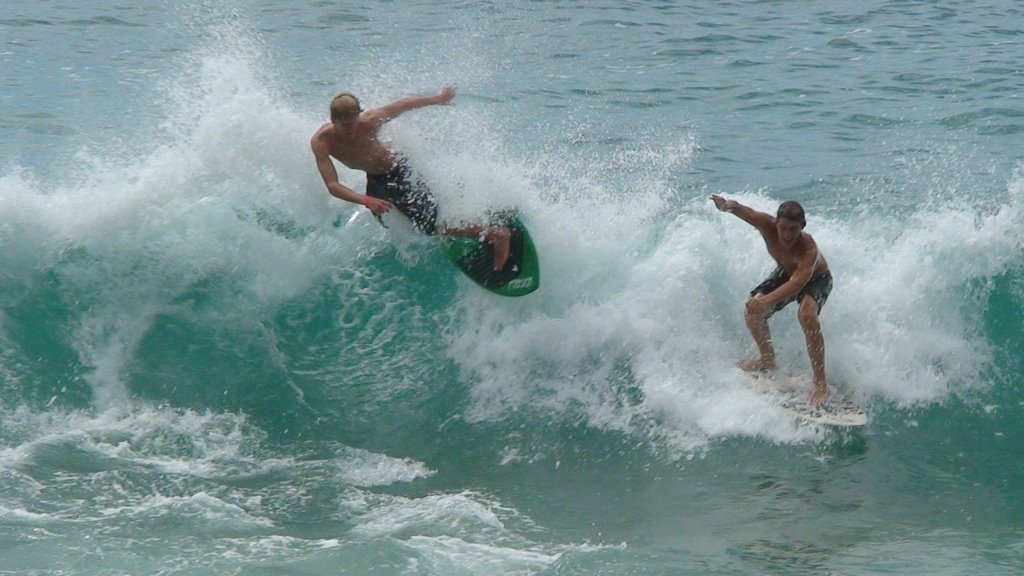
(345,105)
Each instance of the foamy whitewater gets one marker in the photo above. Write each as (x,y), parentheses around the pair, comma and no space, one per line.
(210,366)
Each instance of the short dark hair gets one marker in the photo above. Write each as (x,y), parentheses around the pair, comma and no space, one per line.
(792,210)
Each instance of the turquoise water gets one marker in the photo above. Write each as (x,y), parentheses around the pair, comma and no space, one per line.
(209,366)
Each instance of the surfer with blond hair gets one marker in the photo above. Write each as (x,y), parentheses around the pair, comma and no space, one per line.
(351,137)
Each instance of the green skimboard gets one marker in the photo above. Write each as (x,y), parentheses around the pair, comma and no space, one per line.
(475,258)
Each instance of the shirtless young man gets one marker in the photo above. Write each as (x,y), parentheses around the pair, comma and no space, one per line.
(351,137)
(802,275)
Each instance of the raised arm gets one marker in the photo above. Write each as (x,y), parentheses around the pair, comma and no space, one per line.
(389,111)
(757,219)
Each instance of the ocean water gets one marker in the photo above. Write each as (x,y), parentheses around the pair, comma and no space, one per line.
(210,366)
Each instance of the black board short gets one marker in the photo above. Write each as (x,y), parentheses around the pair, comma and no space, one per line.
(411,197)
(818,288)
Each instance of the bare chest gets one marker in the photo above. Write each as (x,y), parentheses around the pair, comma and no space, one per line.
(362,153)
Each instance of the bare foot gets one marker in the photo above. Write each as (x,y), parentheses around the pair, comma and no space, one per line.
(756,365)
(819,396)
(500,239)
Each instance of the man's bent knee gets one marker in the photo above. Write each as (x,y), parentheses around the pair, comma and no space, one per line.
(807,314)
(753,314)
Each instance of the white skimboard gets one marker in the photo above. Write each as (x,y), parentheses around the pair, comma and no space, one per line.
(791,392)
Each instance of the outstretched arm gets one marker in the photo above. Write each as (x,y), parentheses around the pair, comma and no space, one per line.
(389,111)
(759,220)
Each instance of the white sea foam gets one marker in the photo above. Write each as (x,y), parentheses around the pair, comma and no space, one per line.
(901,325)
(131,227)
(458,533)
(632,299)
